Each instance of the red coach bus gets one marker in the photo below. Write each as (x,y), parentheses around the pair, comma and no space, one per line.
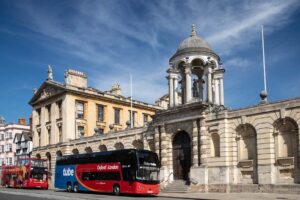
(28,173)
(128,171)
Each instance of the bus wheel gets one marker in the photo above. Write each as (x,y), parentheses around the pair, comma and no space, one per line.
(116,190)
(75,187)
(68,187)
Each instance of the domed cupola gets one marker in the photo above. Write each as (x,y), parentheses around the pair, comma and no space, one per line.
(193,44)
(195,73)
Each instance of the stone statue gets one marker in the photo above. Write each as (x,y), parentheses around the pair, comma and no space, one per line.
(50,74)
(195,88)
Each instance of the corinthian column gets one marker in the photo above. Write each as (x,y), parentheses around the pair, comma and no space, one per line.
(175,90)
(209,85)
(171,91)
(221,92)
(188,84)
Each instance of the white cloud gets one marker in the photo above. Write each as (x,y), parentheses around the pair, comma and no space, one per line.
(116,38)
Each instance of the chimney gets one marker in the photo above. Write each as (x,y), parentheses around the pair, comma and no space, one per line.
(116,89)
(22,121)
(76,78)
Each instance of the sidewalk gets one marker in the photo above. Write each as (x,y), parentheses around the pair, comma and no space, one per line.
(230,196)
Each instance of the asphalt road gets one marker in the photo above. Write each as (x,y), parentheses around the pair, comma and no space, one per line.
(23,194)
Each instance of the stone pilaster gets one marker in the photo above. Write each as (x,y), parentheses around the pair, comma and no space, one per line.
(203,142)
(195,151)
(221,91)
(164,146)
(157,142)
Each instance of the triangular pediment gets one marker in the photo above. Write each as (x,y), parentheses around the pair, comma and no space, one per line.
(47,90)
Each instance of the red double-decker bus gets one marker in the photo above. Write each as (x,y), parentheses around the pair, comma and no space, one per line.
(128,171)
(28,173)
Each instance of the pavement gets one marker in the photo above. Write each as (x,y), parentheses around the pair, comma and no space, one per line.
(23,194)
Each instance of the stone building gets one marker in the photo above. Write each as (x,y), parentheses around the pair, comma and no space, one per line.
(63,112)
(7,135)
(199,141)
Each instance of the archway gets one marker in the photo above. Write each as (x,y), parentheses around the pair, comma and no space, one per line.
(58,155)
(181,155)
(102,148)
(119,146)
(75,151)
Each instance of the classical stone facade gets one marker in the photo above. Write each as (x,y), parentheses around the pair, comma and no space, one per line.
(200,141)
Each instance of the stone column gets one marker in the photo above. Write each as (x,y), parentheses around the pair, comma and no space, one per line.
(195,144)
(164,146)
(175,90)
(209,86)
(157,142)
(217,92)
(221,91)
(171,91)
(203,142)
(188,83)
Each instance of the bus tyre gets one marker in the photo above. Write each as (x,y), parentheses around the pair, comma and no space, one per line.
(75,187)
(68,187)
(116,190)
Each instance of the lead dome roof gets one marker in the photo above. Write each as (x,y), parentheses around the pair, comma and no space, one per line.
(194,43)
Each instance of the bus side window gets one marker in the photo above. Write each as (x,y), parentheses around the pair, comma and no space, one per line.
(26,176)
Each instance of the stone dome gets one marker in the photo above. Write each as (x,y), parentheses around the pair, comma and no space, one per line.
(194,43)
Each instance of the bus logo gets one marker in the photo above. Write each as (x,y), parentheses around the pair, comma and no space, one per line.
(68,172)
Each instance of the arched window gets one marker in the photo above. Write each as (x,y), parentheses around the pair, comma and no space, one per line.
(119,146)
(48,155)
(285,137)
(102,148)
(215,145)
(246,136)
(75,151)
(88,150)
(58,155)
(138,144)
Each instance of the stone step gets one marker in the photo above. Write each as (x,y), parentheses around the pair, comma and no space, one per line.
(177,186)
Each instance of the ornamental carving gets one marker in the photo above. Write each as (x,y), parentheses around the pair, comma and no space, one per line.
(48,92)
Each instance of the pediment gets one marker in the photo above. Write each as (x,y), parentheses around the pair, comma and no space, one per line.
(47,90)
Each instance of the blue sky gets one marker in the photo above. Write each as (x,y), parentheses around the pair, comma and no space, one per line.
(111,39)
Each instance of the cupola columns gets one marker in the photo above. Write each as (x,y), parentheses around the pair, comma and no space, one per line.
(173,84)
(188,85)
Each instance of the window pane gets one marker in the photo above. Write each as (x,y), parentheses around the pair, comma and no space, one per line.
(100,113)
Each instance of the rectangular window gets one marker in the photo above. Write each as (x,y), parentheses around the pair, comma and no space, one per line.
(80,131)
(1,136)
(133,117)
(10,135)
(59,108)
(60,133)
(49,136)
(117,116)
(145,118)
(89,176)
(79,110)
(48,113)
(38,113)
(100,113)
(9,147)
(39,135)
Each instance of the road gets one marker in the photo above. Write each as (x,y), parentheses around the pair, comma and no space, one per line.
(22,194)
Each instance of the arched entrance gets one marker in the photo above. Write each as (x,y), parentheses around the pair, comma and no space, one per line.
(181,155)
